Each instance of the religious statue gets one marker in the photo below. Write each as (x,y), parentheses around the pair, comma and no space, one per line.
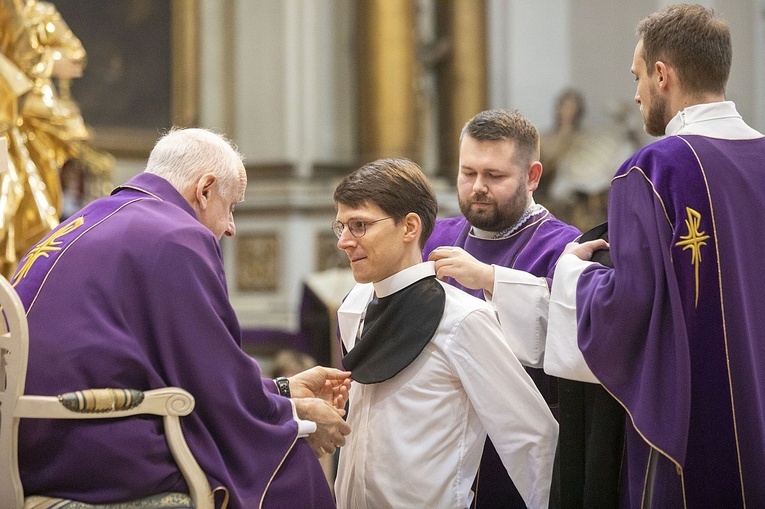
(579,162)
(44,128)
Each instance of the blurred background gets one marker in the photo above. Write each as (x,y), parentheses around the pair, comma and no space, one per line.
(311,89)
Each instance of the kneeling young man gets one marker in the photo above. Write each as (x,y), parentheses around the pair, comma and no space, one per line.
(432,371)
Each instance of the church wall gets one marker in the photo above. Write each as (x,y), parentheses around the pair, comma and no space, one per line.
(758,51)
(529,56)
(742,86)
(602,49)
(278,77)
(294,114)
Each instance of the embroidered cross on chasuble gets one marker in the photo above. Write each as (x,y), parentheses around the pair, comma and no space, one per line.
(396,329)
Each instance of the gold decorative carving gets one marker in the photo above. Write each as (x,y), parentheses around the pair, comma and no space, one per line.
(257,262)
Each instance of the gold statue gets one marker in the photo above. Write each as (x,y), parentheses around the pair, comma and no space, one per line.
(48,131)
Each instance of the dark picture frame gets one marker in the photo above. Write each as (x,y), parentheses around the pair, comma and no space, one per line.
(142,69)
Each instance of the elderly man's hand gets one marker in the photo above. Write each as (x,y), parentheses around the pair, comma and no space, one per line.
(330,426)
(328,384)
(584,250)
(456,263)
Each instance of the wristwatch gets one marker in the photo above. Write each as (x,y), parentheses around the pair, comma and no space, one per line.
(283,384)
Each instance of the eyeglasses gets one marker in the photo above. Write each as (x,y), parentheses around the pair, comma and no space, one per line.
(357,227)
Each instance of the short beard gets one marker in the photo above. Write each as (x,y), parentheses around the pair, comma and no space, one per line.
(496,219)
(654,124)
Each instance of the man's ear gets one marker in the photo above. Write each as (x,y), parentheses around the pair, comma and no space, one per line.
(413,225)
(535,174)
(203,189)
(663,72)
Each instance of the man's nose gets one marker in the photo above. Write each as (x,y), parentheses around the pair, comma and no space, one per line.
(231,230)
(346,239)
(480,186)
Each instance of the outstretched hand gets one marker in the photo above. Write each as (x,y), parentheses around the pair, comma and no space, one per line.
(456,263)
(330,426)
(585,250)
(328,384)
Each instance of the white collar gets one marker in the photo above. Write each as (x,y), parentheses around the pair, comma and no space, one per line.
(716,120)
(404,278)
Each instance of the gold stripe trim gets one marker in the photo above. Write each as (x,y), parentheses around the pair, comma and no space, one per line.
(260,506)
(679,468)
(31,304)
(44,247)
(226,496)
(680,471)
(645,478)
(541,221)
(658,196)
(135,188)
(724,324)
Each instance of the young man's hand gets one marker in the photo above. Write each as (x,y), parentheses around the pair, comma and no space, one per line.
(328,384)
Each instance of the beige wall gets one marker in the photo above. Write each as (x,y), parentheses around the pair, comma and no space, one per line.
(278,77)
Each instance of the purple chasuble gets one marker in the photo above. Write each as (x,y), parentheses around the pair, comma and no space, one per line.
(676,331)
(130,293)
(534,248)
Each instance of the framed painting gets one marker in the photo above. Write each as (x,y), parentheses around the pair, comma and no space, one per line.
(141,73)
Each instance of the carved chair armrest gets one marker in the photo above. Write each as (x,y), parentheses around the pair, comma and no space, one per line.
(168,402)
(106,403)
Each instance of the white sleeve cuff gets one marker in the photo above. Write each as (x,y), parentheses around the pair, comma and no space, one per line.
(305,428)
(521,300)
(563,357)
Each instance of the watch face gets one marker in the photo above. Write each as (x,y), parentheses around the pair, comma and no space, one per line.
(284,386)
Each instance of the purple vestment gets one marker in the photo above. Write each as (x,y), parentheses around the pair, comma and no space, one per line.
(676,331)
(534,248)
(130,293)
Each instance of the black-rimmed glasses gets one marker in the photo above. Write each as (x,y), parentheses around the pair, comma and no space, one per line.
(357,227)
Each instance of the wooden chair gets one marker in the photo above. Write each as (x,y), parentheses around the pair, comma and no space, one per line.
(170,403)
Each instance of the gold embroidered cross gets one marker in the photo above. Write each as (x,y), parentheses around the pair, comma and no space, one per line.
(42,249)
(693,241)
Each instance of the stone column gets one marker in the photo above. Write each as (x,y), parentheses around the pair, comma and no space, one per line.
(386,67)
(462,88)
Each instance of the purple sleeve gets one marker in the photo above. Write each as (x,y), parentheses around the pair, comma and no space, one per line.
(630,323)
(270,386)
(196,336)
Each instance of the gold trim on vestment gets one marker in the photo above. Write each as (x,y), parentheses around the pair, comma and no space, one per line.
(679,468)
(724,325)
(297,435)
(694,241)
(42,249)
